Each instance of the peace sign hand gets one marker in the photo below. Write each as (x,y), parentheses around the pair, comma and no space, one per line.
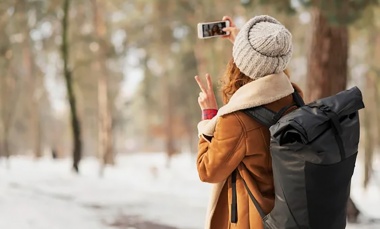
(206,97)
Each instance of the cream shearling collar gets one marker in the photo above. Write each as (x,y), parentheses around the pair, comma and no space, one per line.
(256,93)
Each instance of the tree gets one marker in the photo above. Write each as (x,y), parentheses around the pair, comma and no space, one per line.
(368,28)
(328,54)
(33,87)
(10,87)
(75,123)
(105,146)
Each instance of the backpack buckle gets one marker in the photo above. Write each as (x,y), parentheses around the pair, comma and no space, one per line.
(325,108)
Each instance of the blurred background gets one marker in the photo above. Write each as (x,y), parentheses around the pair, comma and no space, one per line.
(98,104)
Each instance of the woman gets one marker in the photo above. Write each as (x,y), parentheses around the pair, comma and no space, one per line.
(229,139)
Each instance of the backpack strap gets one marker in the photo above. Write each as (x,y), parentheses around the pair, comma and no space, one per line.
(234,203)
(265,116)
(262,115)
(268,117)
(234,198)
(298,99)
(255,202)
(336,128)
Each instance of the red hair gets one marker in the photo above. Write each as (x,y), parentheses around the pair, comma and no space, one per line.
(233,79)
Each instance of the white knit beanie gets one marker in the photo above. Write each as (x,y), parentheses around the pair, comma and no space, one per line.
(262,47)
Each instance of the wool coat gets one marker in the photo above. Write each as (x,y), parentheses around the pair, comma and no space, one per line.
(233,140)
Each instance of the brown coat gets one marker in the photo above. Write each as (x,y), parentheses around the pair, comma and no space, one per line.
(238,142)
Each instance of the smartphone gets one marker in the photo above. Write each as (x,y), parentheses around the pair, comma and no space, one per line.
(212,29)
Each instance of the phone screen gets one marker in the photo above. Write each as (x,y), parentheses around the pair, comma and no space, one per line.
(213,29)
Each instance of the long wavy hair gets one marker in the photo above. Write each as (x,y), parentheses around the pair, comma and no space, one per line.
(233,79)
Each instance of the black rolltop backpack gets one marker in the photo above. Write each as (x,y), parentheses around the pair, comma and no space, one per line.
(313,151)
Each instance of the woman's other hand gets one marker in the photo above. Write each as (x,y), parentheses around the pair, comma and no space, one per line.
(232,29)
(206,97)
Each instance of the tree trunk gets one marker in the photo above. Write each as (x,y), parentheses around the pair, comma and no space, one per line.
(31,84)
(5,146)
(372,98)
(369,123)
(36,128)
(165,40)
(170,148)
(7,153)
(352,211)
(327,68)
(105,142)
(11,89)
(327,65)
(75,123)
(368,140)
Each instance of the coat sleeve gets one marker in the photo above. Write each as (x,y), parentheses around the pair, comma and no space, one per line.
(219,157)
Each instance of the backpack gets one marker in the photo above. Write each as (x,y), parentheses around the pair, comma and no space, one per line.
(313,149)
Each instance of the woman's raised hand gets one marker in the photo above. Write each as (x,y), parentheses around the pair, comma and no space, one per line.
(206,97)
(232,29)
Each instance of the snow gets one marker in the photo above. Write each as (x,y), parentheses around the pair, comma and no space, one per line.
(45,194)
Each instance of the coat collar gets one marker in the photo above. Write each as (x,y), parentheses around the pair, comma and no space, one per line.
(256,93)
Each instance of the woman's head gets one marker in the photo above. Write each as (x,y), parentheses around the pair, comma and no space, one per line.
(262,47)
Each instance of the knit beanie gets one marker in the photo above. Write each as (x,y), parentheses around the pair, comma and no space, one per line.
(262,47)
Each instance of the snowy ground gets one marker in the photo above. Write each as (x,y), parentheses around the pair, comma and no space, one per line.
(139,192)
